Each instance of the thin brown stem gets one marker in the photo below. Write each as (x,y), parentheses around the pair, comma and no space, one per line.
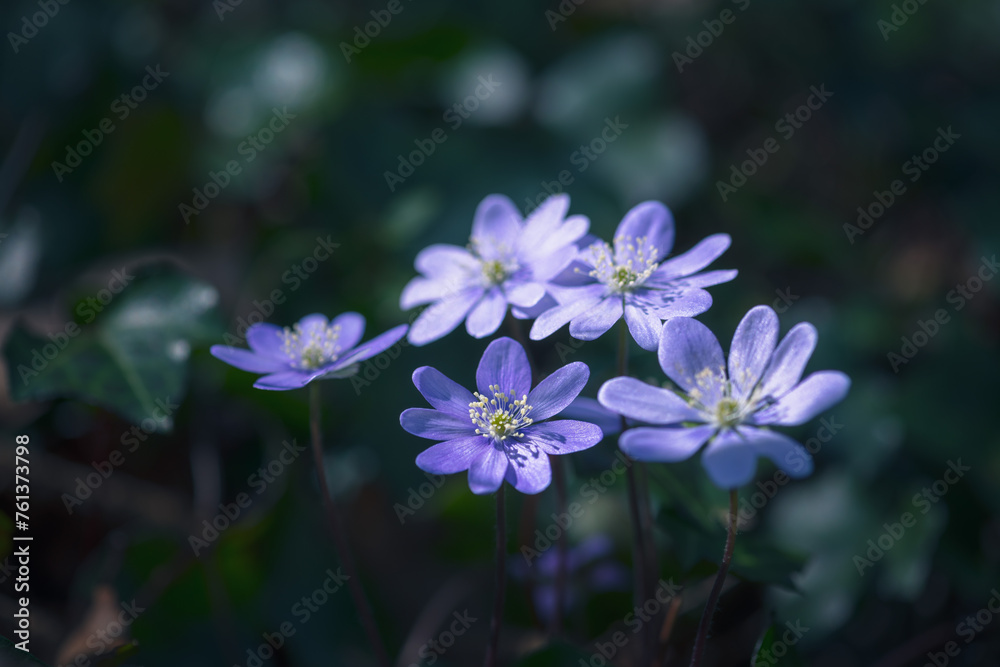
(562,566)
(720,579)
(340,541)
(501,582)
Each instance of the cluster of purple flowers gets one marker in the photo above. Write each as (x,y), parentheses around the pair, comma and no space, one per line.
(548,268)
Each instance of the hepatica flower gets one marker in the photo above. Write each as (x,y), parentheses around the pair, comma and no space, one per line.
(499,432)
(312,349)
(730,409)
(632,278)
(508,262)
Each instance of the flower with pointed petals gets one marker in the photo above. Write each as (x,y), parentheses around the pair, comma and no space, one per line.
(312,349)
(731,411)
(632,278)
(499,432)
(508,261)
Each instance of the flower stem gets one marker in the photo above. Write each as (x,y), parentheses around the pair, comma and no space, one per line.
(340,541)
(497,621)
(558,475)
(720,578)
(638,540)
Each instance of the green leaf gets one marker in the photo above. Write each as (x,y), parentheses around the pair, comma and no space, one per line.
(759,561)
(557,654)
(773,638)
(14,657)
(131,359)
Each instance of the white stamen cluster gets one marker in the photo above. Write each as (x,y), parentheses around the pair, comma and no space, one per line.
(728,411)
(627,276)
(311,351)
(500,417)
(494,271)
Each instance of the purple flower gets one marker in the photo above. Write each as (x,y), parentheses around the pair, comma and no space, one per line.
(313,349)
(498,432)
(509,261)
(731,411)
(632,278)
(590,561)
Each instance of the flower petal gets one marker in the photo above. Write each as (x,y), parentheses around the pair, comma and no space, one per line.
(791,457)
(443,260)
(810,397)
(497,224)
(637,400)
(524,295)
(435,424)
(505,364)
(691,356)
(666,445)
(753,345)
(692,261)
(487,472)
(589,410)
(578,301)
(452,456)
(789,360)
(316,322)
(710,278)
(563,436)
(729,460)
(644,325)
(594,322)
(650,220)
(441,318)
(668,304)
(443,393)
(558,390)
(529,471)
(376,345)
(424,290)
(286,380)
(352,328)
(267,340)
(487,315)
(246,360)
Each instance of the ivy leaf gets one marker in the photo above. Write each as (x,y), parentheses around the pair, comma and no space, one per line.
(131,359)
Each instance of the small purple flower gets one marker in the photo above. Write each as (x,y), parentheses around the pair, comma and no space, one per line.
(731,411)
(509,261)
(590,568)
(632,278)
(498,432)
(313,349)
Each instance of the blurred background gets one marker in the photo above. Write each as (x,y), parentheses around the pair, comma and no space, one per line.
(173,171)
